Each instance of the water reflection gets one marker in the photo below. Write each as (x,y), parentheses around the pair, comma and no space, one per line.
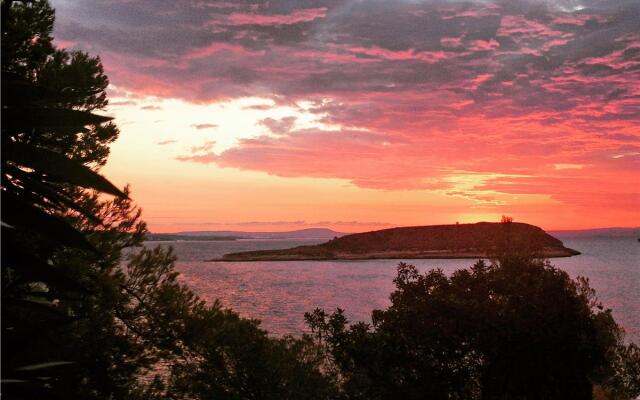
(279,293)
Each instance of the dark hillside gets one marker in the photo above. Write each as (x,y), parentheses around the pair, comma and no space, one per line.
(462,237)
(436,241)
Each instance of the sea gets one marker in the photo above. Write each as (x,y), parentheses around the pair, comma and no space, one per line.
(278,293)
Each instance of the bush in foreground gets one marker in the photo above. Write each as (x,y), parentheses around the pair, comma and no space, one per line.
(80,318)
(518,328)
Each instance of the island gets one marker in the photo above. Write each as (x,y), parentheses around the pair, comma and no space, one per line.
(436,241)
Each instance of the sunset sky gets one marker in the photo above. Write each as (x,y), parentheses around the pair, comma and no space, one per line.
(360,115)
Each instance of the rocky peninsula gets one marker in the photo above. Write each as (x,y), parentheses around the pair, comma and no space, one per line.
(477,240)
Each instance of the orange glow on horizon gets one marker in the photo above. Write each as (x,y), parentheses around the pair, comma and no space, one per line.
(185,196)
(266,118)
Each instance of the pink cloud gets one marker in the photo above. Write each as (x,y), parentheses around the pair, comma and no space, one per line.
(578,19)
(204,126)
(483,45)
(215,48)
(399,55)
(297,16)
(333,57)
(64,44)
(451,41)
(514,26)
(420,90)
(205,147)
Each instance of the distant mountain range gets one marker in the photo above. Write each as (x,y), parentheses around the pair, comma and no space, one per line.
(599,232)
(307,234)
(328,234)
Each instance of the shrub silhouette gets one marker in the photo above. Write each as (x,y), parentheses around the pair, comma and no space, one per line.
(515,329)
(84,313)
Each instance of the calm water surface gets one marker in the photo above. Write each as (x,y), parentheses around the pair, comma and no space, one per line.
(279,293)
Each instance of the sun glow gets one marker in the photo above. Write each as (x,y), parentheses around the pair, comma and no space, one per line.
(471,218)
(282,120)
(149,121)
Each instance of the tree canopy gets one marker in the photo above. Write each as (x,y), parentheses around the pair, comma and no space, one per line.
(86,311)
(518,328)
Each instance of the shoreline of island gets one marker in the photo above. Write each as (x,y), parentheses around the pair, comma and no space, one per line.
(237,257)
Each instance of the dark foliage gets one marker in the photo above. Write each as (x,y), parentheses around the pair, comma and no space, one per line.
(516,329)
(88,313)
(84,313)
(45,165)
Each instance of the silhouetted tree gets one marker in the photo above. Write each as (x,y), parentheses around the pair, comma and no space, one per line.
(50,143)
(516,329)
(85,314)
(506,220)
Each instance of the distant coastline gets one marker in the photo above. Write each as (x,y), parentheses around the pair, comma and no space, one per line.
(597,233)
(306,234)
(436,255)
(170,237)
